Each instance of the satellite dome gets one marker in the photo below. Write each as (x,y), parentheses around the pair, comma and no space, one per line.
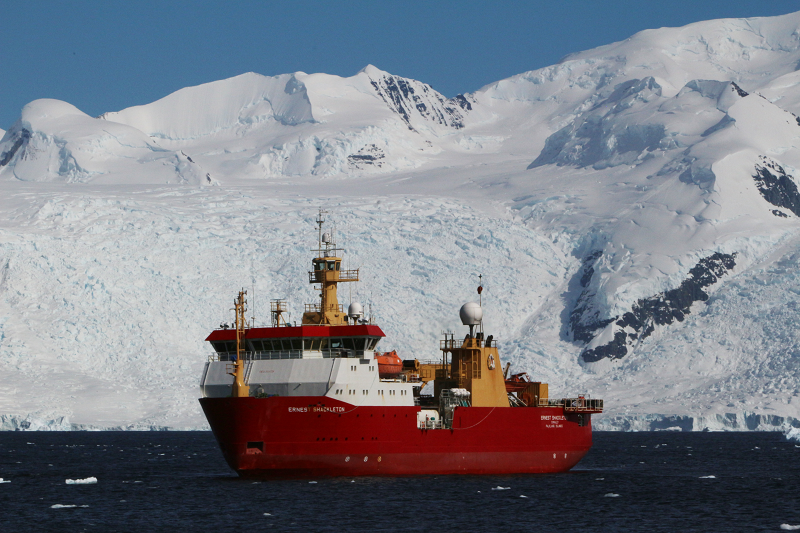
(471,314)
(355,310)
(327,238)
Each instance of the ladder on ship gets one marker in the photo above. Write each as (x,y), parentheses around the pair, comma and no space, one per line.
(248,368)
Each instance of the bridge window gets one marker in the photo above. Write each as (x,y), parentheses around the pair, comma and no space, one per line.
(224,346)
(348,344)
(312,345)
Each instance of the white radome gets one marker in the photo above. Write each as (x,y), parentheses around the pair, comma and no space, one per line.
(471,314)
(356,310)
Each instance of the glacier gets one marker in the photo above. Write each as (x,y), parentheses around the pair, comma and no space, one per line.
(633,211)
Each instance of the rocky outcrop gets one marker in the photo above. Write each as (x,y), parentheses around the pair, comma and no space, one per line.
(639,323)
(368,156)
(19,141)
(777,187)
(412,99)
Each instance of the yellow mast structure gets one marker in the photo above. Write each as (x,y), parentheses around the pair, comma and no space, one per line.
(474,363)
(239,390)
(327,271)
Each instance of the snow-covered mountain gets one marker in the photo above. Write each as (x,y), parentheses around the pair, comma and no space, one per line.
(634,210)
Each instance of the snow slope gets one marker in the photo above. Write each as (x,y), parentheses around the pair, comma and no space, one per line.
(634,210)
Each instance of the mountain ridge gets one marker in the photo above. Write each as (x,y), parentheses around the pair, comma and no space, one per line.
(618,200)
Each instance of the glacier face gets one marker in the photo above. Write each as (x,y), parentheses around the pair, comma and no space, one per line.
(633,209)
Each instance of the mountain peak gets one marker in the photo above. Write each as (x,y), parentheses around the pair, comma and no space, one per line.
(371,70)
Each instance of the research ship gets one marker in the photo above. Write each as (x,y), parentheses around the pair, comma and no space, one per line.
(319,399)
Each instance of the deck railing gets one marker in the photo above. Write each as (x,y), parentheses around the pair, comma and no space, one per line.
(318,276)
(574,405)
(317,308)
(284,354)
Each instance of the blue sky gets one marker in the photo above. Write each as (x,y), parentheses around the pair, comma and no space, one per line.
(105,56)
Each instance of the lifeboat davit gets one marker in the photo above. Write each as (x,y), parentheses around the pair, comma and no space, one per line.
(390,365)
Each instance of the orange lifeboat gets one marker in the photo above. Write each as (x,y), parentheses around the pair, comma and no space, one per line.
(518,382)
(390,365)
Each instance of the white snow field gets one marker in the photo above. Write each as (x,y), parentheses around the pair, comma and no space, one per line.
(634,211)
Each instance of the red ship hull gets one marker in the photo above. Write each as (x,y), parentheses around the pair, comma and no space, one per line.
(319,436)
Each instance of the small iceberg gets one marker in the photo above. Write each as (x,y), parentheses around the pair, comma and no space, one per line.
(522,496)
(708,477)
(267,514)
(60,506)
(87,481)
(793,434)
(310,482)
(500,488)
(5,480)
(787,527)
(610,495)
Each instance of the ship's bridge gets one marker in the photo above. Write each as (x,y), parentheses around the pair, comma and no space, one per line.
(298,342)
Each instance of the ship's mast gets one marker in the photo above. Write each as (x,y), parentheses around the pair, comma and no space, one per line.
(327,271)
(239,388)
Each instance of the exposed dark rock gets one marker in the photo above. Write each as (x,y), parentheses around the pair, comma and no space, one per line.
(23,138)
(662,309)
(369,155)
(461,101)
(779,213)
(408,96)
(777,187)
(741,92)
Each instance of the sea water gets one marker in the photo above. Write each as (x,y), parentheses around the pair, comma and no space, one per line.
(178,481)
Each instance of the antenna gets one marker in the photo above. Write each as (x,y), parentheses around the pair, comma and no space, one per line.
(480,288)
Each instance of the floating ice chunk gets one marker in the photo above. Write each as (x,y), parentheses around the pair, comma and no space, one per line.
(60,506)
(267,514)
(500,488)
(87,481)
(599,478)
(610,495)
(311,482)
(793,434)
(522,496)
(788,527)
(5,480)
(708,477)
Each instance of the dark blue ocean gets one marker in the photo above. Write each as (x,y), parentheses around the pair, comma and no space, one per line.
(176,481)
